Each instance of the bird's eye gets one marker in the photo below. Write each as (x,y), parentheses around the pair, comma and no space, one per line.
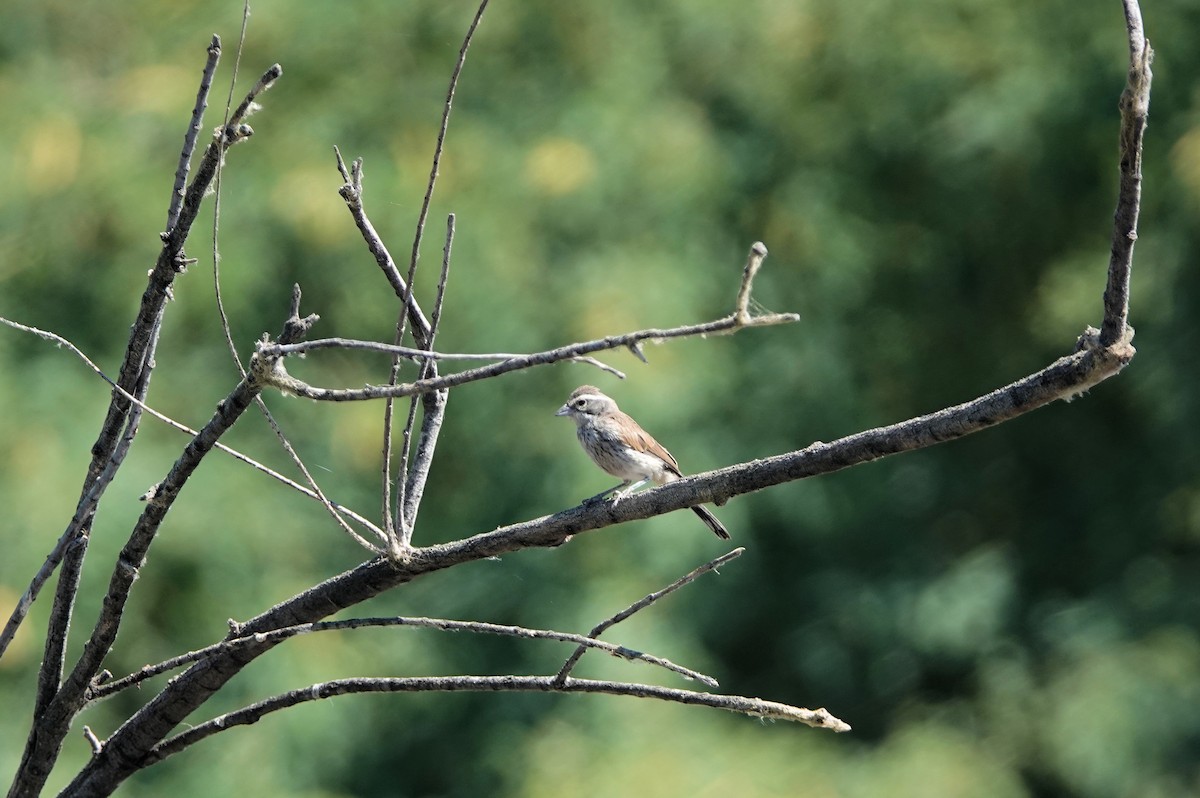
(579,403)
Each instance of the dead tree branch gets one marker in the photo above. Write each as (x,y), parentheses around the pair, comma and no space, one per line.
(739,319)
(110,688)
(641,604)
(144,738)
(58,700)
(754,707)
(1135,109)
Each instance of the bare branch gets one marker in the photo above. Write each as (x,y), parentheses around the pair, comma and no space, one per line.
(192,688)
(407,504)
(641,604)
(434,411)
(53,715)
(409,352)
(296,327)
(108,689)
(5,637)
(419,355)
(158,503)
(439,147)
(352,193)
(758,253)
(189,138)
(1097,357)
(248,104)
(754,707)
(93,740)
(1135,108)
(280,379)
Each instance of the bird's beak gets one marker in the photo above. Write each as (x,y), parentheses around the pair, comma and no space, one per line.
(562,411)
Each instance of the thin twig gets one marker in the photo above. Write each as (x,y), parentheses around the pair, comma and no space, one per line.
(352,193)
(73,349)
(301,326)
(1135,108)
(731,323)
(409,352)
(409,499)
(641,604)
(758,253)
(248,103)
(288,384)
(426,371)
(217,193)
(197,123)
(108,689)
(93,740)
(429,369)
(416,355)
(314,488)
(754,707)
(439,147)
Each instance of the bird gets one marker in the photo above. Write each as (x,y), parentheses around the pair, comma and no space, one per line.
(620,446)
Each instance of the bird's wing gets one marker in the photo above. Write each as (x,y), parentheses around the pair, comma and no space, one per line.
(643,442)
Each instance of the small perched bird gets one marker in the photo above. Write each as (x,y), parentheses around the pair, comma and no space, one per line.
(619,445)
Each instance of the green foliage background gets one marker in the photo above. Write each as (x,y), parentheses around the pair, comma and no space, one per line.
(1010,615)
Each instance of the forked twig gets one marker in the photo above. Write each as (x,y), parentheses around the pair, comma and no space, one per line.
(735,321)
(57,699)
(434,406)
(88,505)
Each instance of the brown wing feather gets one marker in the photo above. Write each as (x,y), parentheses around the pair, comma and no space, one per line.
(643,442)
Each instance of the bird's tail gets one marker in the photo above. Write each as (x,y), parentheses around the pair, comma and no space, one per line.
(711,521)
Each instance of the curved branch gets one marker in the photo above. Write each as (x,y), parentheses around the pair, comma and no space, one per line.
(755,707)
(444,624)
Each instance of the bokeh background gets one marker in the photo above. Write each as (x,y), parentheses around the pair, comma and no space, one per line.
(1014,614)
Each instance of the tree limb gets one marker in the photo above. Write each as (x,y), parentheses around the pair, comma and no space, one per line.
(107,689)
(735,321)
(755,707)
